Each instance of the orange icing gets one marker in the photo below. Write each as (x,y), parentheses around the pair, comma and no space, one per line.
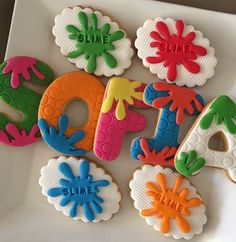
(169,204)
(74,86)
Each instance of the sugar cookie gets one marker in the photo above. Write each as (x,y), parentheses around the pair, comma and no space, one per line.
(173,101)
(219,117)
(116,119)
(92,41)
(175,52)
(80,189)
(168,202)
(68,87)
(13,73)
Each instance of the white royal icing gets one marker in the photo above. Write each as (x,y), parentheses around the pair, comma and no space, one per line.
(122,52)
(50,176)
(142,201)
(184,77)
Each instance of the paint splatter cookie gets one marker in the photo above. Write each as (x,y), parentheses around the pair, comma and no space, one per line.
(168,202)
(92,41)
(80,189)
(175,51)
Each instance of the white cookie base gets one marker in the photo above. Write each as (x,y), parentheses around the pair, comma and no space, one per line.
(50,176)
(122,52)
(141,201)
(184,77)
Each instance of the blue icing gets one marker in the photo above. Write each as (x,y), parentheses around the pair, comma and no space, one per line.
(167,130)
(58,140)
(80,191)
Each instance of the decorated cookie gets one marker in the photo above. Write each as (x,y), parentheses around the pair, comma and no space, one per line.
(168,202)
(80,189)
(13,73)
(54,125)
(175,52)
(115,117)
(218,119)
(92,41)
(173,102)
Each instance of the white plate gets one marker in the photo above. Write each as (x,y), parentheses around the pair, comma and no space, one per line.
(25,214)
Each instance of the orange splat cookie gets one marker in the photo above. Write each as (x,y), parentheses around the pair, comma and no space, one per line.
(168,202)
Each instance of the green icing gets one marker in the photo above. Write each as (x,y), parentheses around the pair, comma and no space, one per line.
(92,41)
(25,100)
(222,110)
(188,164)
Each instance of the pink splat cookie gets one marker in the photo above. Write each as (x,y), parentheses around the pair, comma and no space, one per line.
(116,119)
(175,51)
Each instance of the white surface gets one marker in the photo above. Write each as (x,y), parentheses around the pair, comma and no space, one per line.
(25,214)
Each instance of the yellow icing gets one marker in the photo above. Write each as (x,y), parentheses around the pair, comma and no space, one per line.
(121,89)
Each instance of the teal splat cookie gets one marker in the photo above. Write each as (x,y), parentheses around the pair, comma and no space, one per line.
(80,189)
(92,41)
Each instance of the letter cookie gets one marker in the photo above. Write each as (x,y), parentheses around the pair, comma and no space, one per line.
(80,189)
(168,202)
(92,41)
(218,118)
(175,52)
(115,117)
(173,101)
(68,87)
(13,73)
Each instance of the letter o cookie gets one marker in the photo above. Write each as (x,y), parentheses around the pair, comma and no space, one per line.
(68,87)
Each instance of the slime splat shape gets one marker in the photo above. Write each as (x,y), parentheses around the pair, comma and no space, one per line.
(180,99)
(121,90)
(21,65)
(57,138)
(174,49)
(164,158)
(93,42)
(79,191)
(15,137)
(168,203)
(222,110)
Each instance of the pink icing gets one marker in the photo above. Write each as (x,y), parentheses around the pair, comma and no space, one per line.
(21,65)
(110,132)
(19,137)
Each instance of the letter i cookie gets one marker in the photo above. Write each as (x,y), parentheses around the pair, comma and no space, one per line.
(80,189)
(14,72)
(218,119)
(168,202)
(175,52)
(92,41)
(116,119)
(173,102)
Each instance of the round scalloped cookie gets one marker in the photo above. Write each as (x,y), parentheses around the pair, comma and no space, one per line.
(80,189)
(168,202)
(175,52)
(92,41)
